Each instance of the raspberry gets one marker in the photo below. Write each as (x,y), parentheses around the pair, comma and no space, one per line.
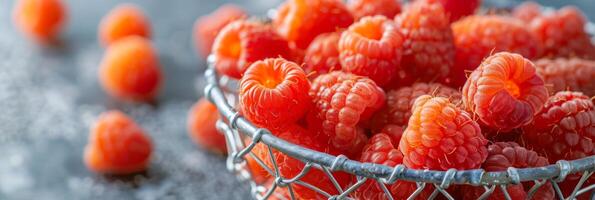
(207,27)
(341,101)
(441,136)
(117,145)
(372,47)
(564,129)
(527,11)
(130,69)
(457,9)
(300,21)
(428,47)
(322,56)
(201,127)
(363,8)
(568,74)
(477,37)
(399,103)
(504,91)
(243,42)
(381,149)
(274,93)
(39,19)
(123,21)
(562,34)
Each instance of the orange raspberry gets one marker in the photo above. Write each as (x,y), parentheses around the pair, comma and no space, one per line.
(39,19)
(563,74)
(130,70)
(441,136)
(243,42)
(117,145)
(300,21)
(123,21)
(274,93)
(372,47)
(504,91)
(363,8)
(322,56)
(207,27)
(201,127)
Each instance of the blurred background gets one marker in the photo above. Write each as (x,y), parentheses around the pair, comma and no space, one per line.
(49,96)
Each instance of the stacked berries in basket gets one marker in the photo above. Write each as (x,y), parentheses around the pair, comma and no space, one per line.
(432,84)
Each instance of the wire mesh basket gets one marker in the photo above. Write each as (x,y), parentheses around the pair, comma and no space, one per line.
(221,91)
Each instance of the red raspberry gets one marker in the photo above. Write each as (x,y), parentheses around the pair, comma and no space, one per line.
(242,42)
(505,91)
(562,34)
(441,136)
(527,11)
(274,93)
(123,21)
(381,149)
(372,47)
(457,9)
(399,103)
(573,74)
(322,56)
(363,8)
(201,127)
(207,27)
(341,101)
(300,21)
(477,37)
(428,47)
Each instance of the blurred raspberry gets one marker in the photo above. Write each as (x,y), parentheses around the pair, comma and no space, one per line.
(504,91)
(363,8)
(457,9)
(573,74)
(123,21)
(516,192)
(300,21)
(341,101)
(428,47)
(201,127)
(322,56)
(477,37)
(527,11)
(399,103)
(208,26)
(372,47)
(441,136)
(562,34)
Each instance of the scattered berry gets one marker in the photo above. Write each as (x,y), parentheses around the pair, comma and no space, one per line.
(428,47)
(527,11)
(207,27)
(562,34)
(372,47)
(363,8)
(117,145)
(243,42)
(441,136)
(505,91)
(130,69)
(322,56)
(572,74)
(123,21)
(457,9)
(477,37)
(397,109)
(39,19)
(201,127)
(300,21)
(274,93)
(341,101)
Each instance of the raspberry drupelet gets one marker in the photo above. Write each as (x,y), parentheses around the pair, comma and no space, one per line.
(456,9)
(123,21)
(563,74)
(441,136)
(117,145)
(428,46)
(274,93)
(504,91)
(322,56)
(39,19)
(372,47)
(363,8)
(243,42)
(201,127)
(341,102)
(207,27)
(300,21)
(130,70)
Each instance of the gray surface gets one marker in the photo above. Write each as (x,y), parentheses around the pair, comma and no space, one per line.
(49,96)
